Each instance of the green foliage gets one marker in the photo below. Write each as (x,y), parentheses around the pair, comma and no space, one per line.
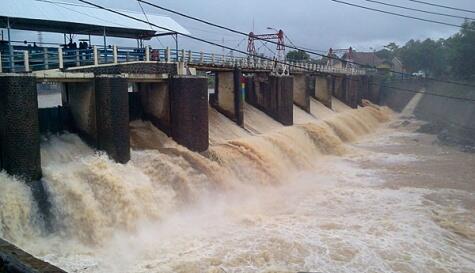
(462,52)
(297,56)
(453,57)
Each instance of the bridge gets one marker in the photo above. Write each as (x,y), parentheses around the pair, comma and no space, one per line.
(48,58)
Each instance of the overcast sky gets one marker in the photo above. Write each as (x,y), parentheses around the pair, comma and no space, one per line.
(316,24)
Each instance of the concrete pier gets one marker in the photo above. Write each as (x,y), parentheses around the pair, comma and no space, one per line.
(112,117)
(301,92)
(374,89)
(339,87)
(228,98)
(19,127)
(351,95)
(273,95)
(324,90)
(363,88)
(189,112)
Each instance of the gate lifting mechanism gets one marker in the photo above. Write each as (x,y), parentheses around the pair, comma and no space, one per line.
(279,67)
(348,54)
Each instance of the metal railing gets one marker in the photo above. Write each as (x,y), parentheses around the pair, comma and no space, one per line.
(43,58)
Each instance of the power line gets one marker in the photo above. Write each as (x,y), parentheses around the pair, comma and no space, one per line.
(288,46)
(419,10)
(265,45)
(146,17)
(245,53)
(400,15)
(290,41)
(442,6)
(187,35)
(426,93)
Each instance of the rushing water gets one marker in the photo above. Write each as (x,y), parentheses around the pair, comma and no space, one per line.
(357,191)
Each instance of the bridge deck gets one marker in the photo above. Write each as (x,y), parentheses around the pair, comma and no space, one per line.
(44,59)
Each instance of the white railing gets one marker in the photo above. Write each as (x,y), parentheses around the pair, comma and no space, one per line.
(54,58)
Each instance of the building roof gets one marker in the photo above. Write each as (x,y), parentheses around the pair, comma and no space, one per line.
(365,58)
(72,17)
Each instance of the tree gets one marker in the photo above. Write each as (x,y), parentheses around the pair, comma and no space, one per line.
(392,47)
(429,56)
(297,56)
(388,52)
(462,52)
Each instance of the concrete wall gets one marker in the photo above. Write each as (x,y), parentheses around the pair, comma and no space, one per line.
(155,100)
(323,90)
(254,88)
(273,95)
(189,112)
(227,98)
(394,93)
(133,68)
(15,260)
(225,91)
(19,127)
(453,120)
(82,103)
(301,95)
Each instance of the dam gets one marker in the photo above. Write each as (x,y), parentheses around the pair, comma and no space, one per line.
(335,189)
(140,159)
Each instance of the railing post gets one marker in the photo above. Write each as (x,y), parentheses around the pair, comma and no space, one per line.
(60,58)
(114,54)
(26,60)
(45,57)
(167,55)
(1,62)
(78,62)
(147,53)
(190,59)
(212,58)
(96,56)
(202,57)
(182,55)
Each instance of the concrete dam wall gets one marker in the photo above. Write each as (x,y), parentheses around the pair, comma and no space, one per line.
(448,108)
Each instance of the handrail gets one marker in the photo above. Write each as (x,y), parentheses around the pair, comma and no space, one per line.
(38,58)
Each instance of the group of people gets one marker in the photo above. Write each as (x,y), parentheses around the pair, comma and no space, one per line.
(82,45)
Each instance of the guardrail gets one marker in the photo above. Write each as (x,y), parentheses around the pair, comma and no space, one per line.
(42,58)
